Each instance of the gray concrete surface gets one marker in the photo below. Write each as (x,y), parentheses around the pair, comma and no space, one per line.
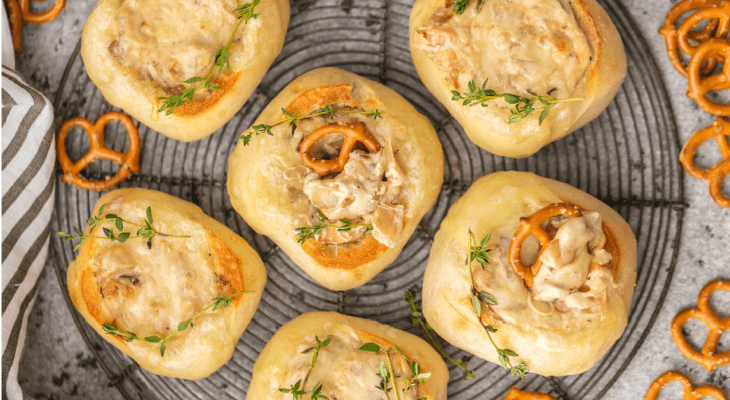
(57,364)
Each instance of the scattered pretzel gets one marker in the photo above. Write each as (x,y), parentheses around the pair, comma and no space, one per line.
(517,394)
(129,161)
(690,392)
(699,85)
(353,133)
(20,14)
(532,225)
(720,131)
(713,11)
(704,313)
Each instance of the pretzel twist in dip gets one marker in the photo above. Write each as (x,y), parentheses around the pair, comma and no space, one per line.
(720,131)
(354,133)
(532,225)
(708,358)
(690,392)
(20,14)
(129,161)
(700,85)
(517,394)
(718,18)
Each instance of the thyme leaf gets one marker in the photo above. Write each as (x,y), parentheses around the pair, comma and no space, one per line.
(476,253)
(326,112)
(145,231)
(523,106)
(243,13)
(307,232)
(129,336)
(298,389)
(387,375)
(431,337)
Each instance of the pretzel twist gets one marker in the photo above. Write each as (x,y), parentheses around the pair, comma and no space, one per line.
(129,161)
(704,313)
(20,14)
(718,16)
(517,394)
(699,85)
(532,225)
(720,131)
(690,392)
(30,17)
(353,133)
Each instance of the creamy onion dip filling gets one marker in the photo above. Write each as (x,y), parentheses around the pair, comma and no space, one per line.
(367,191)
(346,372)
(167,42)
(571,287)
(149,289)
(519,46)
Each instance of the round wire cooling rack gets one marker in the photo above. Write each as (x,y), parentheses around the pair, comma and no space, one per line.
(627,157)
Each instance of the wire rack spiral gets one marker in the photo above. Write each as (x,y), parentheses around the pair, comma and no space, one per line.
(627,157)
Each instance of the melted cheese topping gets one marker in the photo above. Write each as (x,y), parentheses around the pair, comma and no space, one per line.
(150,290)
(367,191)
(519,46)
(170,41)
(348,373)
(571,286)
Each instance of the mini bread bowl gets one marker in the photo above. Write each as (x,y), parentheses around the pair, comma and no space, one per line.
(563,48)
(563,336)
(269,184)
(136,52)
(342,370)
(149,287)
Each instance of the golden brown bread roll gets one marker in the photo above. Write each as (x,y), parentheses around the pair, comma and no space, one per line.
(342,370)
(149,287)
(563,48)
(138,51)
(388,189)
(578,303)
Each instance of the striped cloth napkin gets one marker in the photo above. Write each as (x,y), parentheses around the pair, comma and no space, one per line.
(28,158)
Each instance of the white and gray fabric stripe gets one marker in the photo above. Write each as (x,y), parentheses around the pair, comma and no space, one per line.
(28,162)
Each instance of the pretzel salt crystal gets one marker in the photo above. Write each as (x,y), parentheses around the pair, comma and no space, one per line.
(678,36)
(690,392)
(532,225)
(708,358)
(353,133)
(129,161)
(720,131)
(700,85)
(517,394)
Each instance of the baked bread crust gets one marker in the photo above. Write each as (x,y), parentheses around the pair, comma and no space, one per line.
(209,342)
(257,190)
(261,42)
(273,368)
(491,131)
(485,207)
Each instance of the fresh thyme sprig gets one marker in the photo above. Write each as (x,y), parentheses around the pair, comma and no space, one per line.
(387,376)
(299,389)
(306,233)
(146,231)
(219,302)
(327,112)
(480,254)
(461,5)
(244,13)
(523,106)
(420,323)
